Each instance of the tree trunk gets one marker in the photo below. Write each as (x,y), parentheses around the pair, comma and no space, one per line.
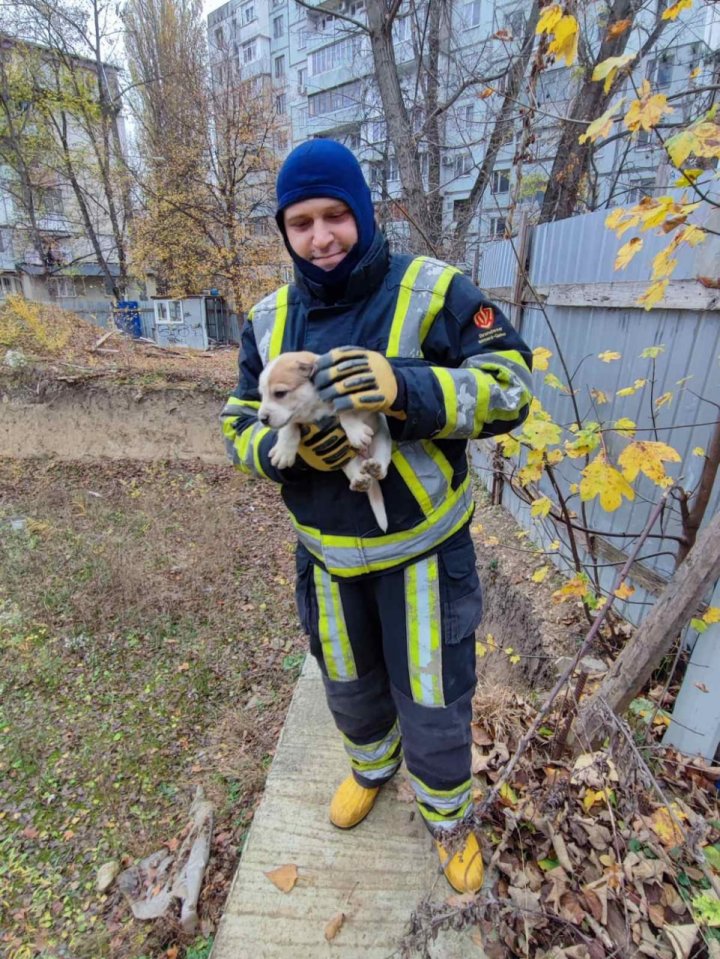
(572,158)
(676,605)
(693,517)
(400,132)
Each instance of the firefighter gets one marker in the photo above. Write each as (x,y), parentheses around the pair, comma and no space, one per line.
(391,616)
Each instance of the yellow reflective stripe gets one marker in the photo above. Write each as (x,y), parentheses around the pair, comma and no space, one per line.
(450,818)
(235,404)
(482,403)
(437,300)
(389,539)
(441,461)
(401,307)
(412,482)
(332,628)
(447,385)
(256,441)
(422,624)
(281,312)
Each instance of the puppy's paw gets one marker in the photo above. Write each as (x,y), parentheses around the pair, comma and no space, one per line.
(361,483)
(281,458)
(359,434)
(374,469)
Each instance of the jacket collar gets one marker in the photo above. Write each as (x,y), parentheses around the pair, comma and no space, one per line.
(365,278)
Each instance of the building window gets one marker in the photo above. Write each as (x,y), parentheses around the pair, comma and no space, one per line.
(378,131)
(280,67)
(401,29)
(352,140)
(248,13)
(51,201)
(302,80)
(515,22)
(459,208)
(8,286)
(644,138)
(278,27)
(639,189)
(219,38)
(500,181)
(302,38)
(277,3)
(281,104)
(249,52)
(660,71)
(61,286)
(471,13)
(334,55)
(168,311)
(281,140)
(469,114)
(463,164)
(497,227)
(424,163)
(330,101)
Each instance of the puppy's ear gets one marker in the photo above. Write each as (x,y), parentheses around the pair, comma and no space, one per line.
(305,369)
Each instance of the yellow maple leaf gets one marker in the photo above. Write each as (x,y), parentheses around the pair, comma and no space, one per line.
(549,19)
(541,355)
(663,400)
(510,445)
(608,69)
(648,111)
(654,294)
(698,451)
(688,177)
(554,545)
(665,824)
(553,457)
(652,352)
(601,479)
(541,507)
(608,356)
(540,434)
(695,72)
(565,42)
(681,146)
(627,252)
(625,426)
(676,8)
(647,457)
(539,575)
(618,28)
(599,396)
(593,796)
(629,390)
(624,591)
(602,126)
(712,615)
(692,235)
(575,587)
(663,263)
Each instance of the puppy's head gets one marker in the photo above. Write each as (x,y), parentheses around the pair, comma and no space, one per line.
(286,390)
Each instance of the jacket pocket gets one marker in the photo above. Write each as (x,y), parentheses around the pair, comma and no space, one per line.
(460,590)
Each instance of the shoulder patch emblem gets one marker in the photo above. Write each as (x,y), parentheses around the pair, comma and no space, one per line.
(484,318)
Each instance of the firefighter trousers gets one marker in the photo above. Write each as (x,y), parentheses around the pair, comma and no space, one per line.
(397,654)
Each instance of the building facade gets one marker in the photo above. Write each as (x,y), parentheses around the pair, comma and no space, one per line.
(53,216)
(318,61)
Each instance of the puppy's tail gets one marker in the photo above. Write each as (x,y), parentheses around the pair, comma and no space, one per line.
(377,504)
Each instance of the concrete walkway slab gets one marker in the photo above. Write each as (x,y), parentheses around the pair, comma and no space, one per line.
(375,873)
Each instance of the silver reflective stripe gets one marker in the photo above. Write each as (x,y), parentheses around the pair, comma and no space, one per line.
(351,556)
(466,390)
(384,773)
(437,825)
(423,632)
(372,752)
(424,460)
(442,801)
(419,305)
(332,628)
(503,398)
(263,320)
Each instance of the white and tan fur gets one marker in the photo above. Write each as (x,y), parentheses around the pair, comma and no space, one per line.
(289,399)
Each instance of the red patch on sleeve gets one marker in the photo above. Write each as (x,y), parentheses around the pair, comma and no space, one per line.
(484,318)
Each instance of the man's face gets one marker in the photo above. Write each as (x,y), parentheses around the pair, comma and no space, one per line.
(321,230)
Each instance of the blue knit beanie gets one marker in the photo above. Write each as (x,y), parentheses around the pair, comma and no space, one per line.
(325,168)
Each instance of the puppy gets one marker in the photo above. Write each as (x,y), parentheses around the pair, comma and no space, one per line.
(289,399)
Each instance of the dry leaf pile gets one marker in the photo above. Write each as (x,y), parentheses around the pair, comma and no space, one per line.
(590,857)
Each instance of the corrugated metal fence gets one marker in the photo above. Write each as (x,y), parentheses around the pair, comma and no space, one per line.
(590,308)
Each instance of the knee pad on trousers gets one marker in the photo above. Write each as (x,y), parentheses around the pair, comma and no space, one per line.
(363,709)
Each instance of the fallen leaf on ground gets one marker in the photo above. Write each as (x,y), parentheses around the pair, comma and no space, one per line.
(284,877)
(682,938)
(405,792)
(664,823)
(334,926)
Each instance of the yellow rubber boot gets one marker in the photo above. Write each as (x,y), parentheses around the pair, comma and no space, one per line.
(464,871)
(351,803)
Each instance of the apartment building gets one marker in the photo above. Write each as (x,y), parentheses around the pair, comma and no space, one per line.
(321,70)
(46,252)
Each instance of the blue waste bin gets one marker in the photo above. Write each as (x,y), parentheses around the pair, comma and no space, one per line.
(127,317)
